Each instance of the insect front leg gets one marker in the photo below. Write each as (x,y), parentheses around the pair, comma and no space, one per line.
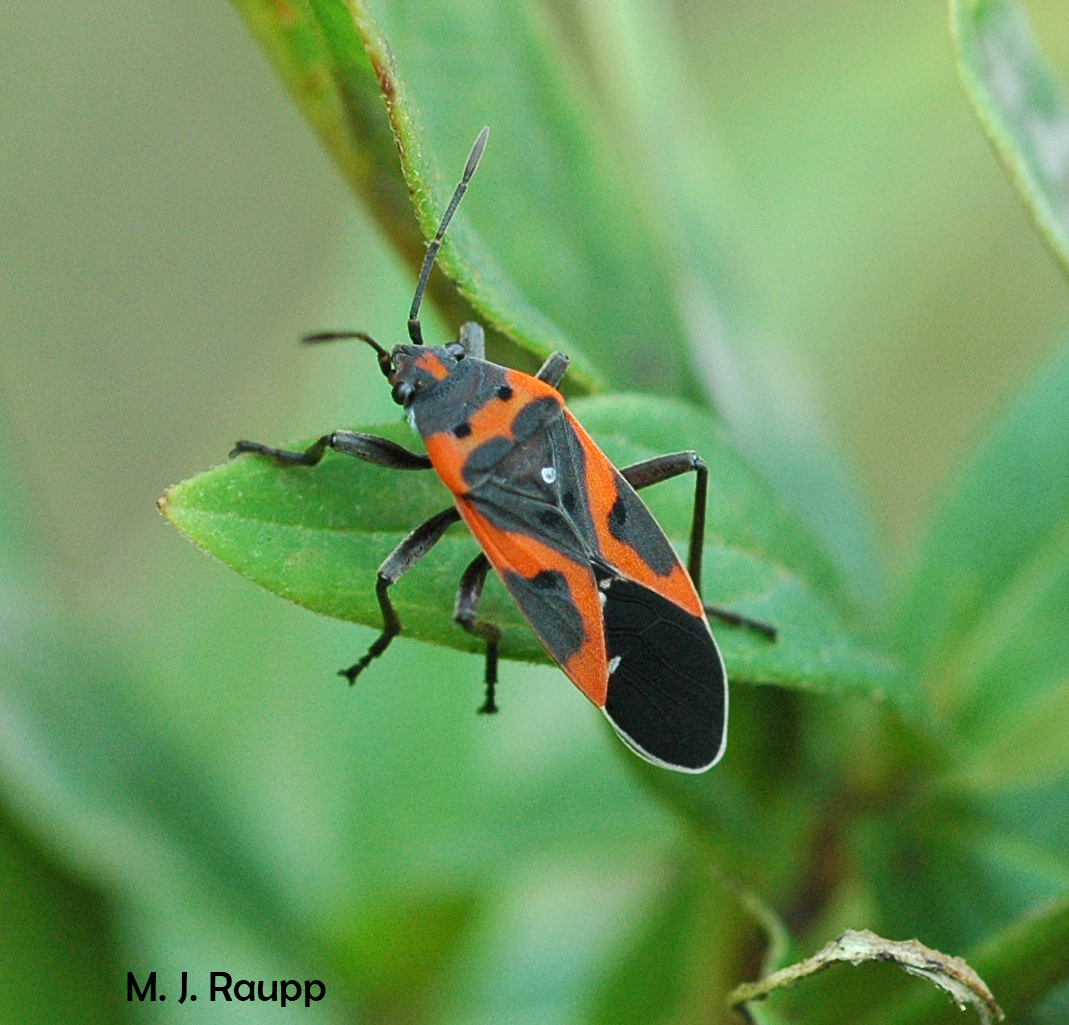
(464,612)
(662,468)
(367,447)
(397,563)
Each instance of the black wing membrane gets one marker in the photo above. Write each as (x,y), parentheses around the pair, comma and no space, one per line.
(667,693)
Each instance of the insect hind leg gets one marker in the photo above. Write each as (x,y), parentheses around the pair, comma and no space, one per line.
(662,468)
(737,619)
(397,563)
(465,613)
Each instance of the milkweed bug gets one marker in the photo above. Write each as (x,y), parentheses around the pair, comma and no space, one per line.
(583,558)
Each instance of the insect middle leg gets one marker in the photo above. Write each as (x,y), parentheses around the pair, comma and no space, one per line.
(464,612)
(662,468)
(397,563)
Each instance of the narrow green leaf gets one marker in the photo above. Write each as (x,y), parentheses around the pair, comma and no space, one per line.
(317,536)
(562,195)
(339,68)
(1022,107)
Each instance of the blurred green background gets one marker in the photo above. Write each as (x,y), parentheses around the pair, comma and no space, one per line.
(185,783)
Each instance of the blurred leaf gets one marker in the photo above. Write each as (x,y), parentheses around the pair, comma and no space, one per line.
(198,935)
(396,956)
(985,617)
(108,790)
(681,961)
(57,958)
(317,536)
(1021,106)
(101,782)
(941,869)
(986,609)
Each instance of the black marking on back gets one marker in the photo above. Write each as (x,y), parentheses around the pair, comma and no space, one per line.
(485,458)
(632,524)
(534,416)
(547,604)
(668,693)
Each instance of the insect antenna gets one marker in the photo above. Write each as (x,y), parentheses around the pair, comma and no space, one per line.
(385,363)
(415,332)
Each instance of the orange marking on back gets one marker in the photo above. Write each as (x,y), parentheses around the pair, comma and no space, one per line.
(601,480)
(433,365)
(588,668)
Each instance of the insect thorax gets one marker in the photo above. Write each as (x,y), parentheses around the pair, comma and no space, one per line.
(440,405)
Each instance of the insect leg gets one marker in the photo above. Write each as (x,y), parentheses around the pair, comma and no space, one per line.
(736,619)
(367,447)
(662,468)
(553,369)
(397,563)
(464,612)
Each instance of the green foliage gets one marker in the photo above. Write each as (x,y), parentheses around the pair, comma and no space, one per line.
(1021,105)
(209,796)
(50,946)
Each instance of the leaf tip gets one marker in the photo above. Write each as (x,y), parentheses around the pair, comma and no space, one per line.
(163,503)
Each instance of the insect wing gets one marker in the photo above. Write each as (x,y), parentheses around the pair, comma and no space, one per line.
(667,692)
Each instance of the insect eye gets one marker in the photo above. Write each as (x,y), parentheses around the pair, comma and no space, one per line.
(456,350)
(403,392)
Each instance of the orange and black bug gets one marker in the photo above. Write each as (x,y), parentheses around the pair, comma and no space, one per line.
(586,562)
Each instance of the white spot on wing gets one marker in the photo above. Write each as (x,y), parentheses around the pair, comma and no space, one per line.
(614,664)
(549,474)
(601,598)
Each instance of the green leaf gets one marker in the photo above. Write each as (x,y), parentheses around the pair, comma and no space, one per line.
(552,194)
(984,618)
(985,610)
(941,869)
(1022,107)
(317,536)
(563,196)
(339,68)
